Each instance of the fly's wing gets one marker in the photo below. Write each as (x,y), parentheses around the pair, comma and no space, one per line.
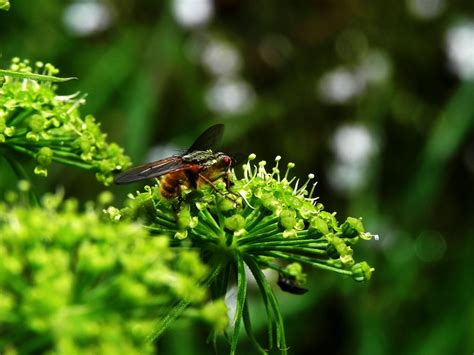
(237,159)
(151,170)
(208,139)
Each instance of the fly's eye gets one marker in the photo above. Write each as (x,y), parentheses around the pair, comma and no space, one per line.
(227,160)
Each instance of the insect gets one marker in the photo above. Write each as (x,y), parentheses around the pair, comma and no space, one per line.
(289,285)
(197,166)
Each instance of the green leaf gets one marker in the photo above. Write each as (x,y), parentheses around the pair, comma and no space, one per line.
(33,76)
(241,299)
(172,315)
(248,329)
(274,308)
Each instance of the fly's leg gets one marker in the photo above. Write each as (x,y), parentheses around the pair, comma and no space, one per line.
(214,187)
(177,205)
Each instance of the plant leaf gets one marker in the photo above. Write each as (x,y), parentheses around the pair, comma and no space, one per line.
(248,329)
(273,302)
(241,299)
(33,76)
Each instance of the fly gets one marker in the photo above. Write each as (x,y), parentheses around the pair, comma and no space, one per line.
(199,165)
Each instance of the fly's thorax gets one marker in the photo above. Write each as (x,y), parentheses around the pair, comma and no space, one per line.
(208,159)
(201,157)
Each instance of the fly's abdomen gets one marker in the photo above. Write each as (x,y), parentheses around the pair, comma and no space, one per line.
(171,184)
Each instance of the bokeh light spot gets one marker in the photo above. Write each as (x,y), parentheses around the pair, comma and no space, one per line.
(426,9)
(192,13)
(83,18)
(230,96)
(460,49)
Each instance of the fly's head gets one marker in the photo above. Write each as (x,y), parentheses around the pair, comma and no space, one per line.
(222,161)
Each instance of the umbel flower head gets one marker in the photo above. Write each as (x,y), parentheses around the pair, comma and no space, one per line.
(36,121)
(267,220)
(74,283)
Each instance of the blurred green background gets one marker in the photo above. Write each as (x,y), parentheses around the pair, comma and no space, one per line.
(375,98)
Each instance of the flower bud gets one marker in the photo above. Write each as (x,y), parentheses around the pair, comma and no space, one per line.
(352,228)
(362,271)
(37,123)
(184,217)
(319,225)
(44,156)
(234,223)
(288,219)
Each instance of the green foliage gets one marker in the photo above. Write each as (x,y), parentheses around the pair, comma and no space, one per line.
(37,122)
(72,283)
(265,221)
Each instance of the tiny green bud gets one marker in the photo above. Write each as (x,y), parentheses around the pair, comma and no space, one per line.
(184,217)
(252,157)
(44,156)
(362,271)
(340,245)
(290,233)
(9,131)
(288,219)
(226,205)
(40,171)
(352,228)
(181,235)
(235,222)
(114,213)
(319,224)
(37,123)
(32,136)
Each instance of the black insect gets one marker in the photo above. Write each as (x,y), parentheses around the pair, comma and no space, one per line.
(289,285)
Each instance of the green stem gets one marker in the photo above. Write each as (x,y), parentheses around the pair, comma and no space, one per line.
(178,309)
(289,249)
(16,120)
(22,175)
(308,261)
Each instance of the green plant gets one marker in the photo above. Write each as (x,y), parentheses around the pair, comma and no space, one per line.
(275,222)
(71,282)
(37,122)
(111,283)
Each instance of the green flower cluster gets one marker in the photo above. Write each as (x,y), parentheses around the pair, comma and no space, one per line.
(266,221)
(36,121)
(71,283)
